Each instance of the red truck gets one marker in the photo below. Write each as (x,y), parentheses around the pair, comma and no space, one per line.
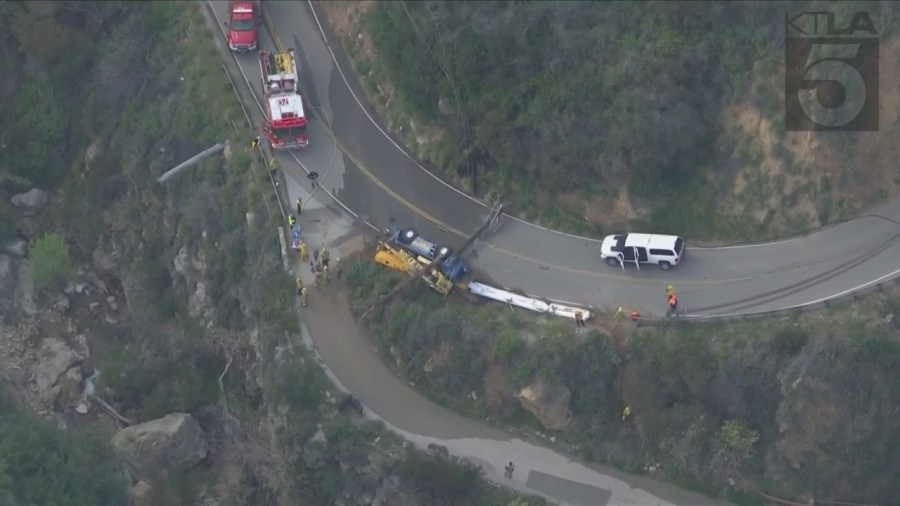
(286,123)
(243,26)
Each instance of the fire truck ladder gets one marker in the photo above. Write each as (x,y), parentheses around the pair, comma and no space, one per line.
(283,63)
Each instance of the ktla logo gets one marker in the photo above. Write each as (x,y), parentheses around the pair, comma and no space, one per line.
(831,73)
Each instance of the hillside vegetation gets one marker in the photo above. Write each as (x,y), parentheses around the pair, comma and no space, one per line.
(598,115)
(177,292)
(801,407)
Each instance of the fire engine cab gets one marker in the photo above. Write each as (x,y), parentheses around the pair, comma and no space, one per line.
(243,27)
(286,122)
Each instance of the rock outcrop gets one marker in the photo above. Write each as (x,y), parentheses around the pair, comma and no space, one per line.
(32,200)
(57,373)
(174,442)
(193,269)
(548,403)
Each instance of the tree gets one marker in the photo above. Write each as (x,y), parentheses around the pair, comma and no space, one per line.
(734,446)
(443,482)
(50,261)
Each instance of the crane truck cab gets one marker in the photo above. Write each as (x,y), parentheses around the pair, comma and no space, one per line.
(666,251)
(452,266)
(243,27)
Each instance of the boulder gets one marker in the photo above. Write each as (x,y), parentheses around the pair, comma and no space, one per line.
(174,442)
(548,403)
(105,262)
(55,358)
(31,200)
(17,247)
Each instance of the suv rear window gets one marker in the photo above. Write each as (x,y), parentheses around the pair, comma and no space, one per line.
(663,252)
(679,245)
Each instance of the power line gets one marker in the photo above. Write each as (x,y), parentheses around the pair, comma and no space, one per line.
(464,120)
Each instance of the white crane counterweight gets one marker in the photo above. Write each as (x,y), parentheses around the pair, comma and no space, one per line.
(286,123)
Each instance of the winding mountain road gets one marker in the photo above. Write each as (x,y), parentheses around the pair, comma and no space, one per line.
(375,177)
(375,181)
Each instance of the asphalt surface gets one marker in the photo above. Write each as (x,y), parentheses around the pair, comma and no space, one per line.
(379,184)
(366,170)
(354,364)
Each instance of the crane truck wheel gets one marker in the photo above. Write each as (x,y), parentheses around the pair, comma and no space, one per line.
(613,261)
(408,235)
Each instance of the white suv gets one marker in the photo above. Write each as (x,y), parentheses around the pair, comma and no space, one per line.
(662,250)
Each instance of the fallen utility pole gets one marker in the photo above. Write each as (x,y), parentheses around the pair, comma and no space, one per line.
(174,171)
(492,217)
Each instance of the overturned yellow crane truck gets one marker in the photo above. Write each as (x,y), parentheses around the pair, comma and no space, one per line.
(399,260)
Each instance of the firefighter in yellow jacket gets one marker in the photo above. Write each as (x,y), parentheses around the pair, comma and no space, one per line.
(304,296)
(304,252)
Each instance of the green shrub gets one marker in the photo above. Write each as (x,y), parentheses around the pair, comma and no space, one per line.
(44,466)
(51,264)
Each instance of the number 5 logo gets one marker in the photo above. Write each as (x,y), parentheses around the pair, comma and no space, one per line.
(832,69)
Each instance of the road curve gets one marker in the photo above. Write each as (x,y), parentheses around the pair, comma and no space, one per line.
(376,182)
(373,176)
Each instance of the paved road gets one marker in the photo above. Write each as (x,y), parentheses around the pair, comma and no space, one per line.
(354,364)
(366,170)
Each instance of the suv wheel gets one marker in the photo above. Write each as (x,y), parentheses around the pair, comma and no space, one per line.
(612,261)
(665,266)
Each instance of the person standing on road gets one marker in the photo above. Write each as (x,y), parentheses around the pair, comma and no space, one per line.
(337,268)
(509,470)
(304,252)
(673,303)
(304,296)
(299,206)
(617,318)
(626,412)
(579,319)
(326,255)
(299,285)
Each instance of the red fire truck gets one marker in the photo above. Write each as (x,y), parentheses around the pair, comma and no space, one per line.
(286,122)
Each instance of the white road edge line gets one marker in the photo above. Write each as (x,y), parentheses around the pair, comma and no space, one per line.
(341,72)
(259,105)
(464,194)
(410,157)
(799,306)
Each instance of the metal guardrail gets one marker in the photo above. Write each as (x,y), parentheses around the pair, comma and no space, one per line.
(266,157)
(642,321)
(689,319)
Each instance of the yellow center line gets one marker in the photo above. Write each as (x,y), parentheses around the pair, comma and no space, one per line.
(446,227)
